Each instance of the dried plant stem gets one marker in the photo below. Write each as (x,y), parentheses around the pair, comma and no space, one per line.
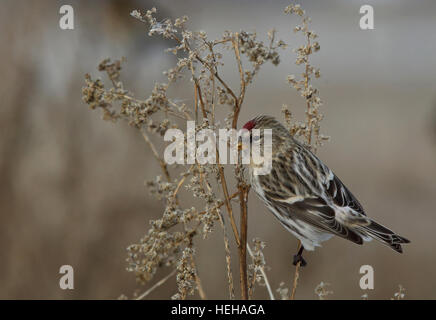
(156,285)
(308,105)
(228,204)
(200,288)
(228,260)
(129,98)
(234,195)
(296,275)
(179,185)
(162,163)
(238,104)
(243,197)
(196,103)
(203,109)
(198,95)
(251,287)
(310,94)
(243,189)
(265,278)
(309,141)
(226,243)
(198,281)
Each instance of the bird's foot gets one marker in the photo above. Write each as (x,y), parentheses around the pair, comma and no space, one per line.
(299,258)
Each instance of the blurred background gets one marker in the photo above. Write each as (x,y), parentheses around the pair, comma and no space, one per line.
(72,186)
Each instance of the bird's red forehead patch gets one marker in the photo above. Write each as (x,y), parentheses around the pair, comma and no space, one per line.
(249,125)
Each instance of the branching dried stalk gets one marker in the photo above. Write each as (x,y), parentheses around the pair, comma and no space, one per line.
(170,241)
(310,130)
(257,268)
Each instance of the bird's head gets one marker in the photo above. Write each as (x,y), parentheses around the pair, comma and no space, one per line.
(279,132)
(266,122)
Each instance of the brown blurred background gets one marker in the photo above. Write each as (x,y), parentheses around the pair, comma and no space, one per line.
(72,186)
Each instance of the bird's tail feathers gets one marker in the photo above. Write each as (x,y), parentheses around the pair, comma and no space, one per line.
(386,236)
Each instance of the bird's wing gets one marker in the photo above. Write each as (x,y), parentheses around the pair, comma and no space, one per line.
(323,183)
(341,196)
(316,212)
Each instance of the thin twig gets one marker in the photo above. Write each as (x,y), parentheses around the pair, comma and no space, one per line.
(228,204)
(162,163)
(198,281)
(213,84)
(296,276)
(179,185)
(196,104)
(156,285)
(228,259)
(203,108)
(198,95)
(200,288)
(238,105)
(234,195)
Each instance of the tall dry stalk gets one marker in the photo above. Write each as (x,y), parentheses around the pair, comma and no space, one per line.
(310,129)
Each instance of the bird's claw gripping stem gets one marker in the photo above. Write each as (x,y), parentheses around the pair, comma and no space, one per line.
(299,258)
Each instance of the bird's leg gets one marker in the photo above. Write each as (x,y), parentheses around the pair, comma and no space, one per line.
(299,258)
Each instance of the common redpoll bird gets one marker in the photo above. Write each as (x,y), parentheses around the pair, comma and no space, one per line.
(307,197)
